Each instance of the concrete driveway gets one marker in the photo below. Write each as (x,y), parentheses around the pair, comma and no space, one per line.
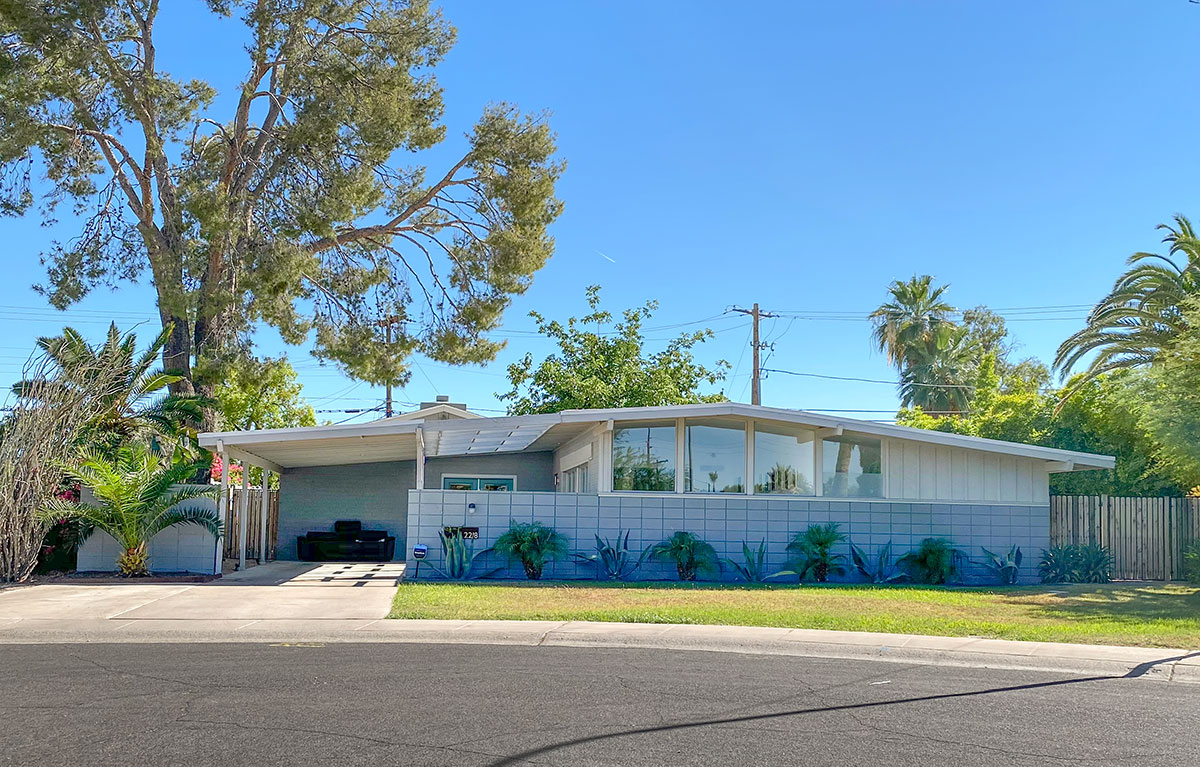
(299,591)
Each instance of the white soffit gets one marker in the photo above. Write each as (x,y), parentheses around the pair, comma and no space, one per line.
(484,436)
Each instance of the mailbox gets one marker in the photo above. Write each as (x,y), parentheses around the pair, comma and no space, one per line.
(420,550)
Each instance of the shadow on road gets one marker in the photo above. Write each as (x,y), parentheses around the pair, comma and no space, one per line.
(529,754)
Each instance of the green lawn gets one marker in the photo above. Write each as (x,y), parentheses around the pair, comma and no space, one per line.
(1121,614)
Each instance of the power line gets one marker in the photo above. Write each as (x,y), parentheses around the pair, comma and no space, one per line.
(864,380)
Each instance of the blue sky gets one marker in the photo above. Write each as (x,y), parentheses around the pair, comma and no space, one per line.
(801,155)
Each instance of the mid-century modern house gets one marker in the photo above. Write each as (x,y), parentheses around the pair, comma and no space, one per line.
(728,472)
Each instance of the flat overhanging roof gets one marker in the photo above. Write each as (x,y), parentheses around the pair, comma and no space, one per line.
(397,440)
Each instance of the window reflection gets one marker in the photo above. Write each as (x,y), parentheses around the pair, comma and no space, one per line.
(643,458)
(783,459)
(714,457)
(852,467)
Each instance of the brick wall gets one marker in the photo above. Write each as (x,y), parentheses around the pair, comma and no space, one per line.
(725,523)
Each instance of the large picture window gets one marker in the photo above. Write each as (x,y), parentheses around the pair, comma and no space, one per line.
(852,467)
(783,459)
(643,458)
(714,455)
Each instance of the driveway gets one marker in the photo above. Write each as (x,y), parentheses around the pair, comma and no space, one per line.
(300,591)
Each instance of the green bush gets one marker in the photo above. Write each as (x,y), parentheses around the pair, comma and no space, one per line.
(755,568)
(1076,563)
(612,560)
(879,569)
(460,557)
(935,561)
(690,554)
(533,544)
(812,552)
(1191,563)
(1006,568)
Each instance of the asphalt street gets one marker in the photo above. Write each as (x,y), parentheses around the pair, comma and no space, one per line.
(385,704)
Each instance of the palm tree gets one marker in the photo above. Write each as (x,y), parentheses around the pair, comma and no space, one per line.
(938,376)
(812,552)
(1143,314)
(133,406)
(138,495)
(907,324)
(533,544)
(689,552)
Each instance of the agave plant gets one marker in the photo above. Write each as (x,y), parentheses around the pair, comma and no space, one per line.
(138,495)
(691,554)
(812,553)
(934,561)
(460,557)
(533,544)
(755,568)
(1006,568)
(1076,563)
(614,561)
(878,569)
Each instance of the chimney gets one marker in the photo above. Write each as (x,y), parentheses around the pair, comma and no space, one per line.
(443,399)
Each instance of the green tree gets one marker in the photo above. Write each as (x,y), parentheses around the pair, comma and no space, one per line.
(1096,419)
(598,368)
(126,388)
(1166,399)
(937,376)
(908,324)
(301,207)
(263,394)
(1142,316)
(137,497)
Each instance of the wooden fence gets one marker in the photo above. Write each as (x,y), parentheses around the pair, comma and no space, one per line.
(1147,536)
(254,519)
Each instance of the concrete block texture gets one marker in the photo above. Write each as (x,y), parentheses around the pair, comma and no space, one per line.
(866,525)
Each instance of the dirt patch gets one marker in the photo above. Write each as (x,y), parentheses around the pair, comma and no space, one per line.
(104,579)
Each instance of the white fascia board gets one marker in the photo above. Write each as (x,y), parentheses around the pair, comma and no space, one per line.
(258,436)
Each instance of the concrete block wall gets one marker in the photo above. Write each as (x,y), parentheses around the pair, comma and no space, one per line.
(178,549)
(725,523)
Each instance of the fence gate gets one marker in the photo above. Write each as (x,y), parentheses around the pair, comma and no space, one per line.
(1147,536)
(254,520)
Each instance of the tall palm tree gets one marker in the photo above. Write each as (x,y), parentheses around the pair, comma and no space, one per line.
(1143,314)
(134,405)
(138,495)
(908,323)
(938,375)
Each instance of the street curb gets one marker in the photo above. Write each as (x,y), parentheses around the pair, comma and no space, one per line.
(1172,665)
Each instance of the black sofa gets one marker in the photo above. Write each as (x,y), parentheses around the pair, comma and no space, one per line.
(347,543)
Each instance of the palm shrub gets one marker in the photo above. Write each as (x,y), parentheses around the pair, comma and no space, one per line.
(533,544)
(689,552)
(612,560)
(877,569)
(1006,568)
(138,495)
(934,561)
(813,555)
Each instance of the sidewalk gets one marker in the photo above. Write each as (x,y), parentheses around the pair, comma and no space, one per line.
(1146,663)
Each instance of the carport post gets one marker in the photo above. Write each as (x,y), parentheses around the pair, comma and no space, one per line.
(224,509)
(263,513)
(420,458)
(243,502)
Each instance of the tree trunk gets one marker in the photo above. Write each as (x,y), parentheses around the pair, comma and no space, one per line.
(134,562)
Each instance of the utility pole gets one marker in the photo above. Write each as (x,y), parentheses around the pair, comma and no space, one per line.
(756,382)
(387,323)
